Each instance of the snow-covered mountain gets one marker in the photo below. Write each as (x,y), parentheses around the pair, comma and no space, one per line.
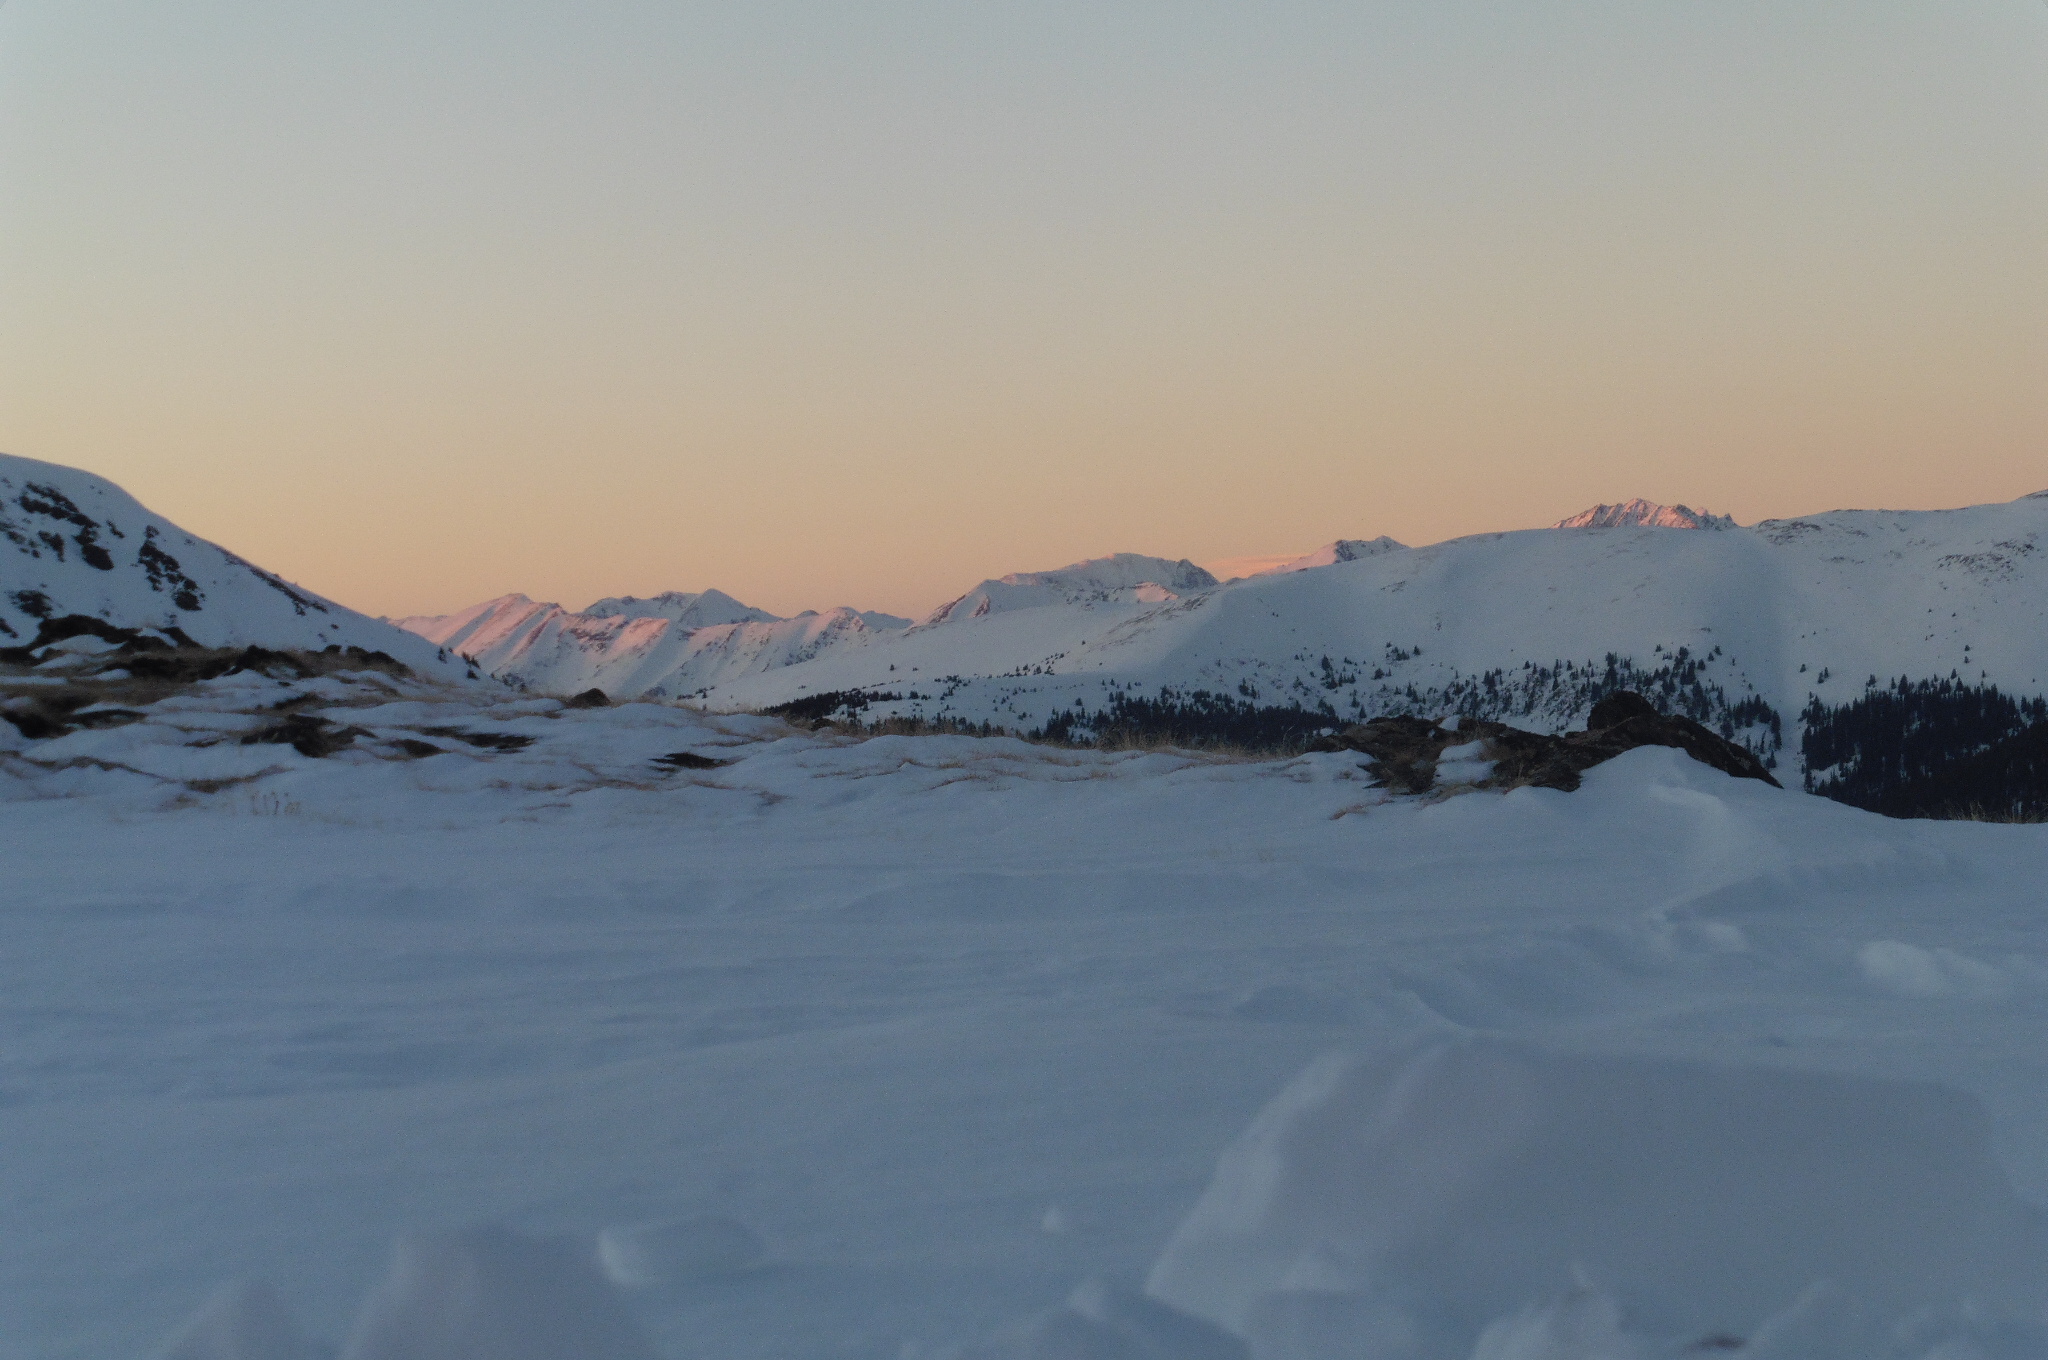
(1121,578)
(681,644)
(690,610)
(1640,513)
(75,544)
(1740,627)
(702,609)
(634,648)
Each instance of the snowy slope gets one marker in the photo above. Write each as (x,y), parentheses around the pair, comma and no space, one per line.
(1121,578)
(72,543)
(1342,550)
(946,1027)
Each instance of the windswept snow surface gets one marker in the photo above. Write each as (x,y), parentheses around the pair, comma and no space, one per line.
(73,543)
(949,1028)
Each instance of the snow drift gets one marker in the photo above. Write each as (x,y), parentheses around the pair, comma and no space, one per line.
(1400,1205)
(659,1255)
(1105,1321)
(244,1320)
(491,1294)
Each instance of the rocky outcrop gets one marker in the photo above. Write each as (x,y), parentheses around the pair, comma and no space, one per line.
(1415,755)
(83,672)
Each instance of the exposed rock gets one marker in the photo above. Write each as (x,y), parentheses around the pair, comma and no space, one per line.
(1406,750)
(107,685)
(1403,748)
(314,738)
(689,760)
(590,698)
(487,741)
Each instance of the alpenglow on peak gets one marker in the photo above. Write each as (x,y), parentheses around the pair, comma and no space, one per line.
(1640,513)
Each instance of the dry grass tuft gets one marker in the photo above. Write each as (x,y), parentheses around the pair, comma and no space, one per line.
(2012,816)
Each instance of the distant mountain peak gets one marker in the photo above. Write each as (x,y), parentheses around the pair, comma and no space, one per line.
(689,609)
(1119,570)
(1641,514)
(1120,577)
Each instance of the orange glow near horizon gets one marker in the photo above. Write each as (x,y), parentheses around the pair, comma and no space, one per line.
(421,305)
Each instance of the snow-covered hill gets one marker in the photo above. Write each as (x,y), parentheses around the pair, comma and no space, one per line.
(75,544)
(1739,627)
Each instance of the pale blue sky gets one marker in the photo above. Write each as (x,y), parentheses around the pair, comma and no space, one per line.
(824,303)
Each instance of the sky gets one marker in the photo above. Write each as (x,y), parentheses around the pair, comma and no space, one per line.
(828,303)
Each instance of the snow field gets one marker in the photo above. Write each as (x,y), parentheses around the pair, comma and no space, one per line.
(883,1004)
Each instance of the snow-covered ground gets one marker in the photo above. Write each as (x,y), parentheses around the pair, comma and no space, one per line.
(952,1025)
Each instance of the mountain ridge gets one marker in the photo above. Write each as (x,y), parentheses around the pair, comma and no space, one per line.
(1745,628)
(1738,627)
(1639,513)
(75,545)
